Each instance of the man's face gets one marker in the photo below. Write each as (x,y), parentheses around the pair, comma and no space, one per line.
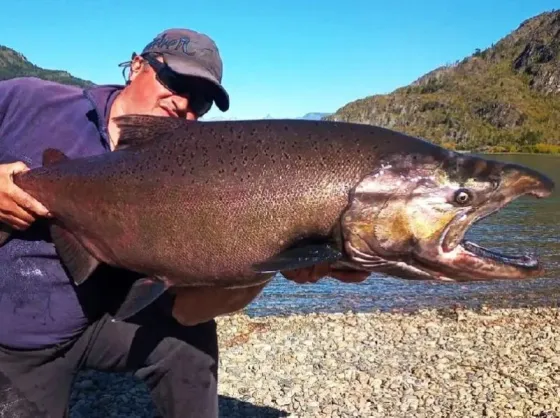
(150,97)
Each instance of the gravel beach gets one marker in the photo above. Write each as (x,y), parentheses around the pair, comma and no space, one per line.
(452,363)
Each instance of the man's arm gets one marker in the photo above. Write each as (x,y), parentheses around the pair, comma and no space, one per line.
(200,304)
(195,305)
(318,271)
(17,208)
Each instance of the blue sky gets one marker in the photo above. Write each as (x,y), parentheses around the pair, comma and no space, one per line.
(281,58)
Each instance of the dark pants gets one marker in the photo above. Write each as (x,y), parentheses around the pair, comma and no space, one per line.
(178,364)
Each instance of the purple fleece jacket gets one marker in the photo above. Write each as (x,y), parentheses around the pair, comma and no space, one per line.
(39,305)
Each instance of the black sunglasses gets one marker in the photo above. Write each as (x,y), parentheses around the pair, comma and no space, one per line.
(197,91)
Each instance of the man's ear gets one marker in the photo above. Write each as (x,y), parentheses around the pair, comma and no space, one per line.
(136,65)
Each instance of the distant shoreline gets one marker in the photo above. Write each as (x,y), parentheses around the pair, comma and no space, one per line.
(551,154)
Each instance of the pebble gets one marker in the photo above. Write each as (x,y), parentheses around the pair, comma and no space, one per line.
(490,363)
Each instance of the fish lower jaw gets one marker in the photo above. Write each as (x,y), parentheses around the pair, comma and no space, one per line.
(527,261)
(470,262)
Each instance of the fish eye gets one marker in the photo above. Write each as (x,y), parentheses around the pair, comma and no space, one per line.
(462,196)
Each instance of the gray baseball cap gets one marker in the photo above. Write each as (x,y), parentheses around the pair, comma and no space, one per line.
(194,54)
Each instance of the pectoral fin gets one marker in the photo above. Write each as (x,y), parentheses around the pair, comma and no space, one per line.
(77,259)
(142,293)
(299,257)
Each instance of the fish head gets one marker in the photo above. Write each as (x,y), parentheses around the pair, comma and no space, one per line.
(409,217)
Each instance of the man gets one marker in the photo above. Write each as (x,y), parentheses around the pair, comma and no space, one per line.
(50,328)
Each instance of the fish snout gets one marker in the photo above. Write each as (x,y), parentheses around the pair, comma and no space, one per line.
(522,180)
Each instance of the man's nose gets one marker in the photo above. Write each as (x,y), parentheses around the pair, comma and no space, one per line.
(181,104)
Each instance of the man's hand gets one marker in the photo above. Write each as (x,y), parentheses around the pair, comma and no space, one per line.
(318,271)
(17,208)
(200,304)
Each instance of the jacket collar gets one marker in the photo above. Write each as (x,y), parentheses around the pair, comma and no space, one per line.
(101,99)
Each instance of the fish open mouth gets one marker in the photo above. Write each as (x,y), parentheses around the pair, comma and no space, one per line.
(453,237)
(461,259)
(458,259)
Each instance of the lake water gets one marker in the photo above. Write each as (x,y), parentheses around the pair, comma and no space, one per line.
(526,224)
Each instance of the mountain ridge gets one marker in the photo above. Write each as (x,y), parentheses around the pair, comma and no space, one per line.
(14,64)
(505,98)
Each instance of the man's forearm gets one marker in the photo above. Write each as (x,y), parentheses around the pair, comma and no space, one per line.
(195,305)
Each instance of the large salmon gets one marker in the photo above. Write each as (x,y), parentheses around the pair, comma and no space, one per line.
(231,203)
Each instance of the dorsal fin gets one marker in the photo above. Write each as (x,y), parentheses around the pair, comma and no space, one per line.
(136,130)
(53,156)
